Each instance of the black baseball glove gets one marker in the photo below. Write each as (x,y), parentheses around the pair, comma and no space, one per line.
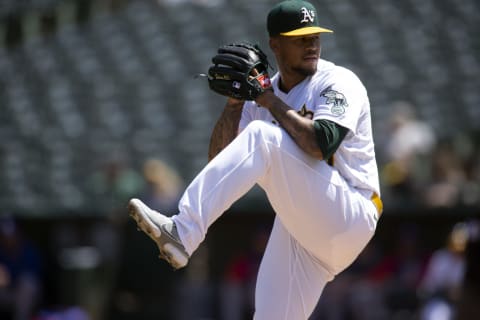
(240,71)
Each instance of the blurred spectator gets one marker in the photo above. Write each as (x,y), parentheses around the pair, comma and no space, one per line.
(114,183)
(163,186)
(444,275)
(409,143)
(410,135)
(447,178)
(20,273)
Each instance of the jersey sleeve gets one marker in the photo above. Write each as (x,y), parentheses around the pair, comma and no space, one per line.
(341,101)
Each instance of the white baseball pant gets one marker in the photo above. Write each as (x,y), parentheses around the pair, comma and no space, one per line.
(321,223)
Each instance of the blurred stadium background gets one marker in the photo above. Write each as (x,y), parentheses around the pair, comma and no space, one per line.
(99,103)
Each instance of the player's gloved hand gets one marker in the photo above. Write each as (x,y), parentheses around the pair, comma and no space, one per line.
(240,71)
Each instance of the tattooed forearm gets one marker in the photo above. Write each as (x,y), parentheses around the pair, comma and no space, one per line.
(226,128)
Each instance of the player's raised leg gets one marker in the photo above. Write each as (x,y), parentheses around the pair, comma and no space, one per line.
(264,153)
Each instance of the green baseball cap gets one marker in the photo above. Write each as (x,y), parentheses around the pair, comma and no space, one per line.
(293,18)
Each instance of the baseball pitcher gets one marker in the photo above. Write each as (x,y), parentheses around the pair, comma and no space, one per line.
(305,137)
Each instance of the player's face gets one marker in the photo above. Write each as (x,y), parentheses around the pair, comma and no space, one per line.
(298,54)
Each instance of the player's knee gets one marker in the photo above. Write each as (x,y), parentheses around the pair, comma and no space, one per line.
(266,132)
(256,125)
(261,128)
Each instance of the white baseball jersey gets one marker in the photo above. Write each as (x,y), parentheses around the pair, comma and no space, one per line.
(333,93)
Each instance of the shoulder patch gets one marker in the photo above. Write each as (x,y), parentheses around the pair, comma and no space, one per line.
(336,100)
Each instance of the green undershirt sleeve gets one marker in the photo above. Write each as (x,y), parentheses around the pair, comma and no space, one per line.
(329,136)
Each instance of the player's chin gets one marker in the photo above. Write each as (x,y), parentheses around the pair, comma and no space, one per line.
(310,62)
(308,69)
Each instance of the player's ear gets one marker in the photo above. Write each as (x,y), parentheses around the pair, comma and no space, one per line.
(273,42)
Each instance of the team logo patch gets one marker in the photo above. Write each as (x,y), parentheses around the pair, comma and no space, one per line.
(336,100)
(308,15)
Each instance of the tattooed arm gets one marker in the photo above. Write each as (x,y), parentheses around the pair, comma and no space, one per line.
(226,128)
(301,129)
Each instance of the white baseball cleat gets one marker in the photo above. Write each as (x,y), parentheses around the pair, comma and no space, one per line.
(162,230)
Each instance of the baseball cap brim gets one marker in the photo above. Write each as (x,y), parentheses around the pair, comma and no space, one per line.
(305,31)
